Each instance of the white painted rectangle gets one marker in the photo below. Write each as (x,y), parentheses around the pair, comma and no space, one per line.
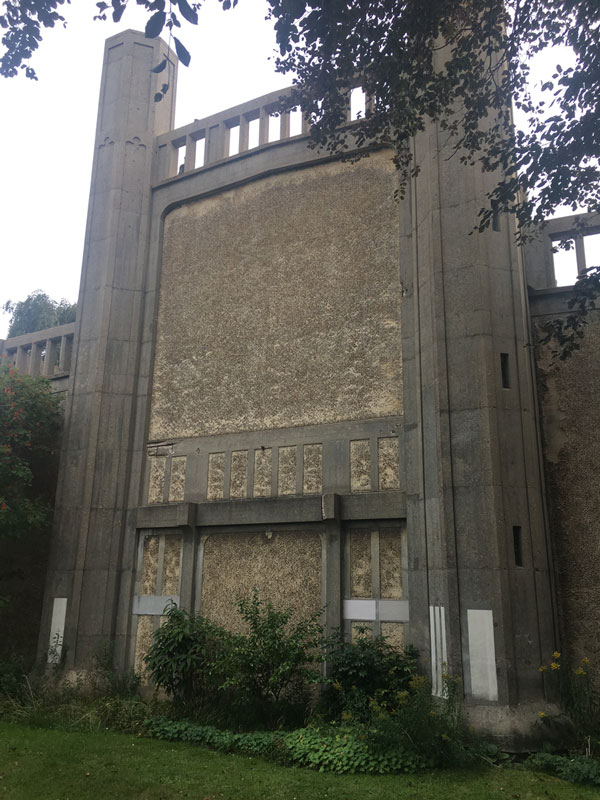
(360,609)
(57,630)
(153,604)
(393,610)
(482,654)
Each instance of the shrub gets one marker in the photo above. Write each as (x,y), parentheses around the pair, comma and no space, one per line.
(365,670)
(576,769)
(185,657)
(274,662)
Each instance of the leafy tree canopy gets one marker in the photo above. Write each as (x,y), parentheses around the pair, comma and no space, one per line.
(461,63)
(38,311)
(457,61)
(30,424)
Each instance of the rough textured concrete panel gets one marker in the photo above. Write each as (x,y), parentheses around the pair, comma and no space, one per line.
(238,481)
(157,479)
(150,565)
(286,476)
(394,633)
(297,279)
(360,563)
(263,464)
(570,395)
(313,469)
(171,565)
(216,476)
(390,563)
(143,641)
(177,484)
(389,465)
(284,567)
(360,465)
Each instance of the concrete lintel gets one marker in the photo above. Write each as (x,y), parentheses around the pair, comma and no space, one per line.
(274,510)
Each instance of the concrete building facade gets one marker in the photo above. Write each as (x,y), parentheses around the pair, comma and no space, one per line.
(284,378)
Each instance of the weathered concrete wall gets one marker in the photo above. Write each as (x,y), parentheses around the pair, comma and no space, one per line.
(570,405)
(279,304)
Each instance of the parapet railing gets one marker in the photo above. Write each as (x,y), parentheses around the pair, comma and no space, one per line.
(46,352)
(235,131)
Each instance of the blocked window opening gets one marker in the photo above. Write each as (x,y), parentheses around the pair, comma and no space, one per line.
(181,159)
(504,369)
(274,128)
(565,265)
(374,559)
(518,545)
(200,151)
(357,103)
(253,127)
(234,140)
(295,122)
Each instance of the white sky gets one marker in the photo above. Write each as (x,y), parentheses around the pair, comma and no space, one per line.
(47,130)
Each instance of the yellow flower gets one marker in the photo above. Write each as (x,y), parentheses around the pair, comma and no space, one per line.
(585,660)
(554,665)
(541,714)
(432,714)
(580,671)
(555,654)
(543,668)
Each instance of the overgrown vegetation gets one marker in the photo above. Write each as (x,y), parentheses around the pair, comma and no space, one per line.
(250,693)
(30,427)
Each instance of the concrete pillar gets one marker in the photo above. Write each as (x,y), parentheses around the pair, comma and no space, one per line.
(66,349)
(36,358)
(95,469)
(472,453)
(22,360)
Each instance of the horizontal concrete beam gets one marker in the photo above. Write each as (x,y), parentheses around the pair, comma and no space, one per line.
(273,511)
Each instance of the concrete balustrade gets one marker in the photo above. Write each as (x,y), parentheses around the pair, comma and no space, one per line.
(216,131)
(46,353)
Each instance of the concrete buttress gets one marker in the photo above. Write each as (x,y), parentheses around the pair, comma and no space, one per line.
(96,465)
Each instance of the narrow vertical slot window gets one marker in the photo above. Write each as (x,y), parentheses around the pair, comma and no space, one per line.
(274,128)
(234,141)
(181,159)
(295,122)
(504,370)
(253,127)
(200,149)
(565,265)
(591,246)
(357,104)
(518,545)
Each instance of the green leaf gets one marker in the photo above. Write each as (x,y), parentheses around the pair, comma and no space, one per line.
(182,53)
(155,25)
(160,67)
(187,12)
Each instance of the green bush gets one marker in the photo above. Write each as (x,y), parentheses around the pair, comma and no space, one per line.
(365,670)
(266,744)
(348,749)
(255,679)
(185,658)
(12,679)
(272,665)
(576,769)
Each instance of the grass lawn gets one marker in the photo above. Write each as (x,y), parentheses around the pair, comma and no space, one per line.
(58,765)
